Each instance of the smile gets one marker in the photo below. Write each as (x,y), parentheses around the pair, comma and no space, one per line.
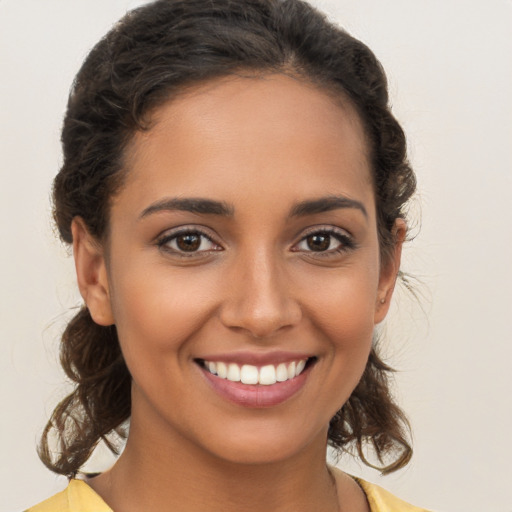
(249,374)
(257,380)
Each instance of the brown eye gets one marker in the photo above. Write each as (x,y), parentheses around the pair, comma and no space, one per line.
(318,242)
(189,242)
(325,242)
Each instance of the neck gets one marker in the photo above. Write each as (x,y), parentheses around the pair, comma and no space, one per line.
(173,475)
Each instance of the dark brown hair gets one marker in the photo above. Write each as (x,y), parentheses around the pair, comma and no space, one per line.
(147,58)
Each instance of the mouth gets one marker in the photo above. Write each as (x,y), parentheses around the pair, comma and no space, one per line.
(252,375)
(253,386)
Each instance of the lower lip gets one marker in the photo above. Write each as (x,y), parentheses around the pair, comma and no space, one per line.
(256,395)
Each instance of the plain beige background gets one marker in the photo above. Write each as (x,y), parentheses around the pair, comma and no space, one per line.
(450,70)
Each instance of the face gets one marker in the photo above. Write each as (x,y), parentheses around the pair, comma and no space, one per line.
(242,269)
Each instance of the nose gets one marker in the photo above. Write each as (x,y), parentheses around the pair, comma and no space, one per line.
(258,298)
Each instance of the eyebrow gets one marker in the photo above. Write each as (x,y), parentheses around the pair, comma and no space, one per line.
(190,204)
(325,204)
(212,207)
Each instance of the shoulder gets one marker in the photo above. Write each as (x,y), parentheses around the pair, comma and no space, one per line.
(76,497)
(381,500)
(378,498)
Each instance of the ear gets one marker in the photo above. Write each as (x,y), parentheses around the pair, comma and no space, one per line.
(91,273)
(389,271)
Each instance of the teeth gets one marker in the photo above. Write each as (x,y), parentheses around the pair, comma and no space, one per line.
(282,372)
(267,375)
(249,374)
(233,373)
(222,370)
(291,370)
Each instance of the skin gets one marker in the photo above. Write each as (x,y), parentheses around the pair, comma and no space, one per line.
(260,146)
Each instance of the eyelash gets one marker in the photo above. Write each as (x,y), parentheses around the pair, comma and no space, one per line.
(346,242)
(167,238)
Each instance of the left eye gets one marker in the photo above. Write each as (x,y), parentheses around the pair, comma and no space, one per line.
(188,242)
(324,241)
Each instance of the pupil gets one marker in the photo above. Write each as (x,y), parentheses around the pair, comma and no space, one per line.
(318,242)
(189,242)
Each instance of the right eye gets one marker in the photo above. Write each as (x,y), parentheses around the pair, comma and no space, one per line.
(187,242)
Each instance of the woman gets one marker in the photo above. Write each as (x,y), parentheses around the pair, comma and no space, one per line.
(233,188)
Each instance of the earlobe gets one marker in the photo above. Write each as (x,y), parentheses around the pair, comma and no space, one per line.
(91,273)
(389,271)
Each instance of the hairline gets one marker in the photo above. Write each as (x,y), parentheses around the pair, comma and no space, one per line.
(335,92)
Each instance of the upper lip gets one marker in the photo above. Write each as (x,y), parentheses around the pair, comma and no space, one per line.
(256,358)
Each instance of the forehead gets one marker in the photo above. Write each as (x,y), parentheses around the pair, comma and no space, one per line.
(253,133)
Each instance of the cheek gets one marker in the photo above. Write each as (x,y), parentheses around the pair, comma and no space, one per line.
(342,312)
(155,312)
(344,315)
(343,303)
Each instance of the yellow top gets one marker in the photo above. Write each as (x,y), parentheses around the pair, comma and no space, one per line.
(79,497)
(76,497)
(381,500)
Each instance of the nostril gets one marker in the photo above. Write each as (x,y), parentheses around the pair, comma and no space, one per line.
(261,307)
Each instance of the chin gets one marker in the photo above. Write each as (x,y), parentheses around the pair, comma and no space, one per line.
(265,444)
